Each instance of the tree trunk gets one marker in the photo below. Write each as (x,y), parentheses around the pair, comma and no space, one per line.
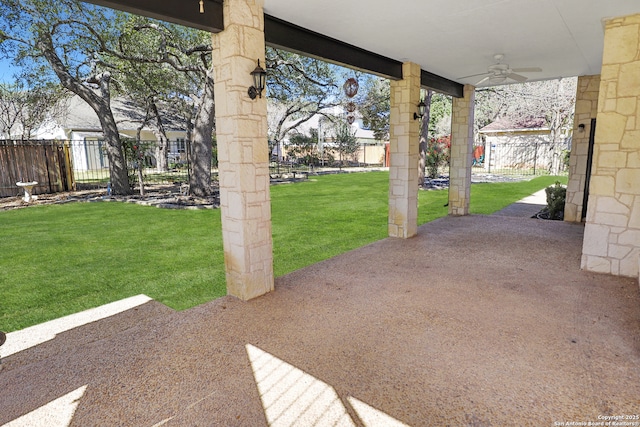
(202,144)
(101,104)
(162,142)
(139,155)
(117,163)
(424,138)
(554,128)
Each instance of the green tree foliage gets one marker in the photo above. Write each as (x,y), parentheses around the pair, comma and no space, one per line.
(167,67)
(298,88)
(374,106)
(423,152)
(305,147)
(435,131)
(346,143)
(440,115)
(156,91)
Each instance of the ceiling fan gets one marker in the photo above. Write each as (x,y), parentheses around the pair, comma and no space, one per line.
(499,73)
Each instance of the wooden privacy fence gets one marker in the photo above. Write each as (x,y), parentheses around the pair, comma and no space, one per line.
(47,162)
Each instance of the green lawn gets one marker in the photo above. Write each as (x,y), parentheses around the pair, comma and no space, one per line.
(60,259)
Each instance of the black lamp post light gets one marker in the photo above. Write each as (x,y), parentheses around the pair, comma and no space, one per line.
(259,80)
(422,107)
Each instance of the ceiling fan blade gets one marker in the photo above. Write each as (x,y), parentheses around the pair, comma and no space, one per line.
(517,77)
(483,80)
(473,75)
(527,70)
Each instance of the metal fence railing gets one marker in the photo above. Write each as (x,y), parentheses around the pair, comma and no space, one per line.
(536,158)
(158,163)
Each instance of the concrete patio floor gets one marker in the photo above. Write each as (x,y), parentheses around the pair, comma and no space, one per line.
(477,321)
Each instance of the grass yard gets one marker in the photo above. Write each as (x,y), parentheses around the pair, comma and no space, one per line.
(61,259)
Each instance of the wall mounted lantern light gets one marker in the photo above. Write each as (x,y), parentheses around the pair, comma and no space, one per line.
(581,127)
(422,107)
(259,79)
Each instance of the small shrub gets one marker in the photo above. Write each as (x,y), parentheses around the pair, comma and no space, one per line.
(556,195)
(437,155)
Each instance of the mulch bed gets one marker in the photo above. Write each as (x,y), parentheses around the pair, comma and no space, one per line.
(162,196)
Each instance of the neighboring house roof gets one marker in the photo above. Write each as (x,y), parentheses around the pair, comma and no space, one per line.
(80,116)
(506,124)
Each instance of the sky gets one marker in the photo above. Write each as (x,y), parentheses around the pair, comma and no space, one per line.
(7,71)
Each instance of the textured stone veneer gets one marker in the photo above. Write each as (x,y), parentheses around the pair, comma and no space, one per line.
(612,232)
(461,152)
(243,155)
(403,147)
(586,109)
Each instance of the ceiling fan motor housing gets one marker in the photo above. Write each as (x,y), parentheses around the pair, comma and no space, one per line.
(499,69)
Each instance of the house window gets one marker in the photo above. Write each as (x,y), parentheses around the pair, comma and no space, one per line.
(181,146)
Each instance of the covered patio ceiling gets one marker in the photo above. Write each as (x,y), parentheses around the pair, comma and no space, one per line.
(448,39)
(460,37)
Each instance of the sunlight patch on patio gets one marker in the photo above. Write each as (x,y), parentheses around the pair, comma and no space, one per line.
(292,397)
(32,336)
(57,413)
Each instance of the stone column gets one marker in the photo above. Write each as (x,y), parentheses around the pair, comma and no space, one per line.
(243,155)
(403,148)
(612,232)
(585,110)
(461,152)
